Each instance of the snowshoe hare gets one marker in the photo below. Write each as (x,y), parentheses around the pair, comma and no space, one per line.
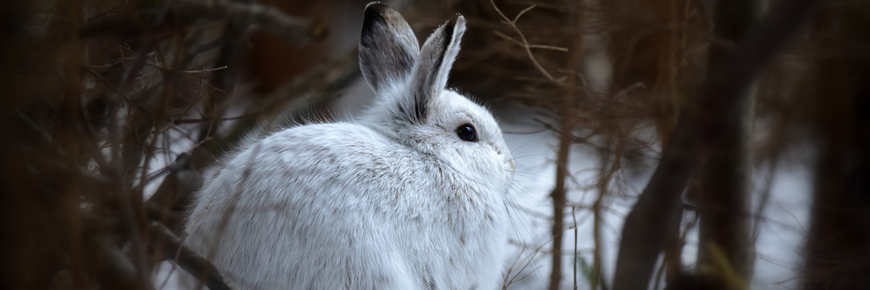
(409,196)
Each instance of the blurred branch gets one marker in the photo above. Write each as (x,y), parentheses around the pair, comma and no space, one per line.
(294,31)
(192,262)
(118,271)
(69,114)
(646,228)
(605,176)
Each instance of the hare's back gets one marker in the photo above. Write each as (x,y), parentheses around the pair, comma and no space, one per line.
(332,165)
(308,203)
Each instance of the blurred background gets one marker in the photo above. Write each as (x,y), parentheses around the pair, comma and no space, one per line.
(679,144)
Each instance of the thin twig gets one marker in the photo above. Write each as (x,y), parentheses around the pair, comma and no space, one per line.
(525,43)
(189,260)
(574,217)
(508,38)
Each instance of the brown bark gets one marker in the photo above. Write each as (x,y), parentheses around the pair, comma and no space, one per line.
(726,176)
(838,242)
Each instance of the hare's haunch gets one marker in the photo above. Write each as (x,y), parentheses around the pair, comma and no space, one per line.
(410,196)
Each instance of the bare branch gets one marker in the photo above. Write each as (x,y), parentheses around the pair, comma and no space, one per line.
(192,262)
(294,31)
(525,43)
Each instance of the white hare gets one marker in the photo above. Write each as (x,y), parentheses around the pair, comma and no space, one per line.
(410,196)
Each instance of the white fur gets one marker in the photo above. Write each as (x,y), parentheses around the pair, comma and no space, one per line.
(375,204)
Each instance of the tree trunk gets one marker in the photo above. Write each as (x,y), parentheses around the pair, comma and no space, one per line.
(726,176)
(646,229)
(838,242)
(644,49)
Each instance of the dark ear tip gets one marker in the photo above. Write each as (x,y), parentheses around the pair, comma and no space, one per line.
(373,14)
(376,10)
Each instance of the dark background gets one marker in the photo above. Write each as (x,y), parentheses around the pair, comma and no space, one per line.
(684,110)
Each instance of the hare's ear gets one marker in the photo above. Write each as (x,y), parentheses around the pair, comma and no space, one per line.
(433,67)
(387,47)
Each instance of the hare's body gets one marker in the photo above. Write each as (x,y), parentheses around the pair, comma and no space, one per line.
(312,226)
(410,196)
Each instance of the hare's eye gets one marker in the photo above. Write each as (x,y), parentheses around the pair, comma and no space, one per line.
(466,133)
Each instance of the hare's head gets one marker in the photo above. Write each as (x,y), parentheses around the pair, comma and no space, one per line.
(415,108)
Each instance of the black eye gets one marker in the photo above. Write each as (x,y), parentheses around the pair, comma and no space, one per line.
(466,133)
